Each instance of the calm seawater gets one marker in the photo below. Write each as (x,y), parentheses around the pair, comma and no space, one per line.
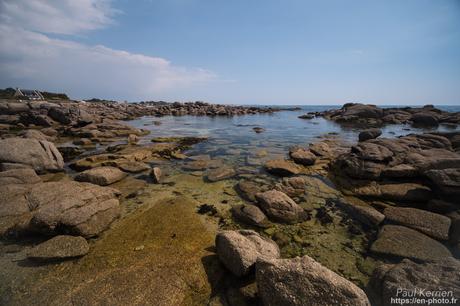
(283,126)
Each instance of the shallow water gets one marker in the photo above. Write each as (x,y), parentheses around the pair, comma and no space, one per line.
(282,129)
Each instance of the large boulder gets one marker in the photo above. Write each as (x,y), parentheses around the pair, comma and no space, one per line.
(415,280)
(239,250)
(38,154)
(434,225)
(303,281)
(57,207)
(102,176)
(400,241)
(59,248)
(280,207)
(281,167)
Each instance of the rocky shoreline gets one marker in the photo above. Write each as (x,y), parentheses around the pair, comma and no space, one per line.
(74,176)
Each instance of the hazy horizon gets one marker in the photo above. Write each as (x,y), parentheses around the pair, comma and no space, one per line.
(248,53)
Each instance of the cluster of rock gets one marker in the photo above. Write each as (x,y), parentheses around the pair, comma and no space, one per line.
(204,109)
(295,281)
(372,115)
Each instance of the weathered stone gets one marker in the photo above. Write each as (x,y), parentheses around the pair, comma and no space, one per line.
(248,190)
(425,119)
(369,134)
(303,281)
(59,248)
(364,213)
(19,176)
(38,154)
(54,207)
(281,167)
(155,174)
(239,250)
(280,207)
(372,152)
(404,242)
(399,171)
(220,174)
(102,176)
(35,134)
(250,214)
(434,225)
(447,181)
(131,166)
(302,156)
(406,192)
(419,279)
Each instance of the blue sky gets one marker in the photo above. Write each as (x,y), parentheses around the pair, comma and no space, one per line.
(244,52)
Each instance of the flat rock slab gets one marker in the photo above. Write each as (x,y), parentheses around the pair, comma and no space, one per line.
(430,277)
(101,176)
(239,250)
(303,281)
(59,248)
(404,242)
(434,225)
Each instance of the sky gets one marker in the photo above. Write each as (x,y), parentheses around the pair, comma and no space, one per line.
(236,52)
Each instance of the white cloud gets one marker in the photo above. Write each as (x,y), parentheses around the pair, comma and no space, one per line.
(57,16)
(33,59)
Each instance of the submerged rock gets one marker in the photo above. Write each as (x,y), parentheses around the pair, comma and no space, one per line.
(220,174)
(38,154)
(303,281)
(404,242)
(239,250)
(434,225)
(280,207)
(281,167)
(59,248)
(102,176)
